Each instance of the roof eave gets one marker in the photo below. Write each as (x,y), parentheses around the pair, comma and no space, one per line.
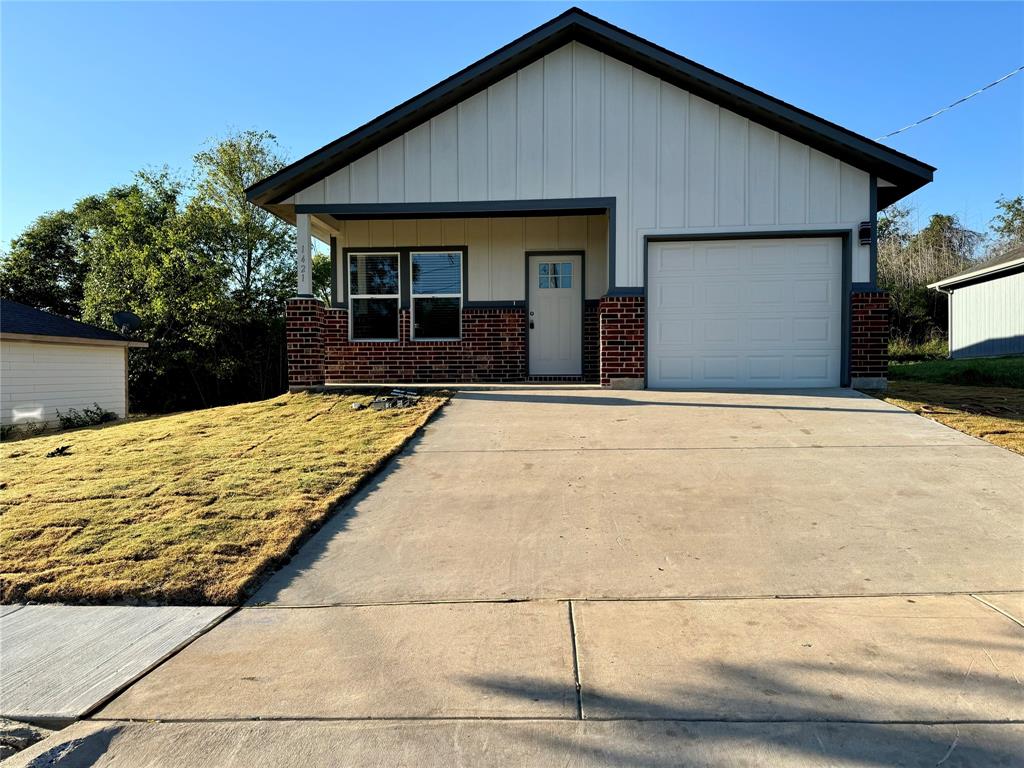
(988,272)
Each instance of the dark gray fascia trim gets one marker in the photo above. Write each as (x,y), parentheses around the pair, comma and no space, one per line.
(335,299)
(581,206)
(510,304)
(845,235)
(908,173)
(638,291)
(873,195)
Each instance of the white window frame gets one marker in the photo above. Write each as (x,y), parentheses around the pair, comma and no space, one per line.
(353,296)
(413,295)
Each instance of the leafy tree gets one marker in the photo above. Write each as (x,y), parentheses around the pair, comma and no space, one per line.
(1008,225)
(256,246)
(45,267)
(322,276)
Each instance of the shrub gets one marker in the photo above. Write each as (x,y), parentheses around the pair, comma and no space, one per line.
(28,429)
(87,417)
(903,350)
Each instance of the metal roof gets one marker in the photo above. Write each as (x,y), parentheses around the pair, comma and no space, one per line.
(986,270)
(905,173)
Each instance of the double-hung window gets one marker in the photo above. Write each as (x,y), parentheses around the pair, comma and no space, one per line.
(436,294)
(374,296)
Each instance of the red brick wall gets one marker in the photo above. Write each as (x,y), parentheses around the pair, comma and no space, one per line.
(492,348)
(304,325)
(591,341)
(622,320)
(869,334)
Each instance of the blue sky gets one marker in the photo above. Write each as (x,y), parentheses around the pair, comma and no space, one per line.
(92,92)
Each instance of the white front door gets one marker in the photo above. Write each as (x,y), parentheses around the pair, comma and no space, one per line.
(745,313)
(555,315)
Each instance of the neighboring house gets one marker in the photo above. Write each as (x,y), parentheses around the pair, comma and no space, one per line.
(585,205)
(49,363)
(986,307)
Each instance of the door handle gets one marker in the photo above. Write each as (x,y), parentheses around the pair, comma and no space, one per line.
(531,325)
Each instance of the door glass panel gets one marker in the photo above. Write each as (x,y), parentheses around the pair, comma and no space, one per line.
(556,274)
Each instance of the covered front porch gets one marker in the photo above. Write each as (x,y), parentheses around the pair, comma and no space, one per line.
(470,293)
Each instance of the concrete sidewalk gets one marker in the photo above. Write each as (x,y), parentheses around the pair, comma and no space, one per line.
(58,662)
(794,682)
(526,744)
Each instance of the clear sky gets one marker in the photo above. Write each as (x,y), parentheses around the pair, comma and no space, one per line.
(92,92)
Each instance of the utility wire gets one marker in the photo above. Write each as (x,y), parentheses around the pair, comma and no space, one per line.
(954,104)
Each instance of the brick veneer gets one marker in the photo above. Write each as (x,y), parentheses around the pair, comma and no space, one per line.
(622,320)
(591,341)
(304,319)
(869,336)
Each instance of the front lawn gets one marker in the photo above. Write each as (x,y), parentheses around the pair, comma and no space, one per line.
(983,372)
(187,508)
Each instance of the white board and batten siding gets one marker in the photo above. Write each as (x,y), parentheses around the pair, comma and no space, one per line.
(39,378)
(497,247)
(580,124)
(987,319)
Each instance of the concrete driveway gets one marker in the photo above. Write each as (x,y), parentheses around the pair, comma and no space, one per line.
(588,494)
(581,577)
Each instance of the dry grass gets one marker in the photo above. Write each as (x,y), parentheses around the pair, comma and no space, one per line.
(995,414)
(187,508)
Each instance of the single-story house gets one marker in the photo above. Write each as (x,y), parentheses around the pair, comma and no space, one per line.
(584,205)
(986,307)
(50,363)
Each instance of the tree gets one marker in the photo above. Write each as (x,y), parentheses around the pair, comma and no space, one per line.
(1008,225)
(45,267)
(909,261)
(322,266)
(256,246)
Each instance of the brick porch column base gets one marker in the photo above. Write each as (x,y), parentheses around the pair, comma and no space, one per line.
(622,320)
(304,330)
(869,339)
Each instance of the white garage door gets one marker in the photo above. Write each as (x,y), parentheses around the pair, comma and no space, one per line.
(744,314)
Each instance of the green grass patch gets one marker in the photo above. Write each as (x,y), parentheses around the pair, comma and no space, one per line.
(901,350)
(188,508)
(987,372)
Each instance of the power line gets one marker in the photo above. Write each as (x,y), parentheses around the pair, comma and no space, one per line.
(954,104)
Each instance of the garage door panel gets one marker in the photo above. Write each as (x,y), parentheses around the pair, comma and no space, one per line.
(755,313)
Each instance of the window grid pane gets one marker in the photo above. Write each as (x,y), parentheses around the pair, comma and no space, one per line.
(436,294)
(374,318)
(437,274)
(373,274)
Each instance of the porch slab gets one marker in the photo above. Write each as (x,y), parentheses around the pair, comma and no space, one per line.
(416,661)
(539,744)
(896,659)
(60,661)
(556,494)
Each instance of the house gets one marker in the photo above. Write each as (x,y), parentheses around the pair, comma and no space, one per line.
(49,363)
(986,307)
(584,205)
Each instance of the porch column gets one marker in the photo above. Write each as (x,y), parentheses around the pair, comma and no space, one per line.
(303,255)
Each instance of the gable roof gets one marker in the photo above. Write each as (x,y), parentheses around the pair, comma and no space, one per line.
(23,320)
(904,172)
(989,269)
